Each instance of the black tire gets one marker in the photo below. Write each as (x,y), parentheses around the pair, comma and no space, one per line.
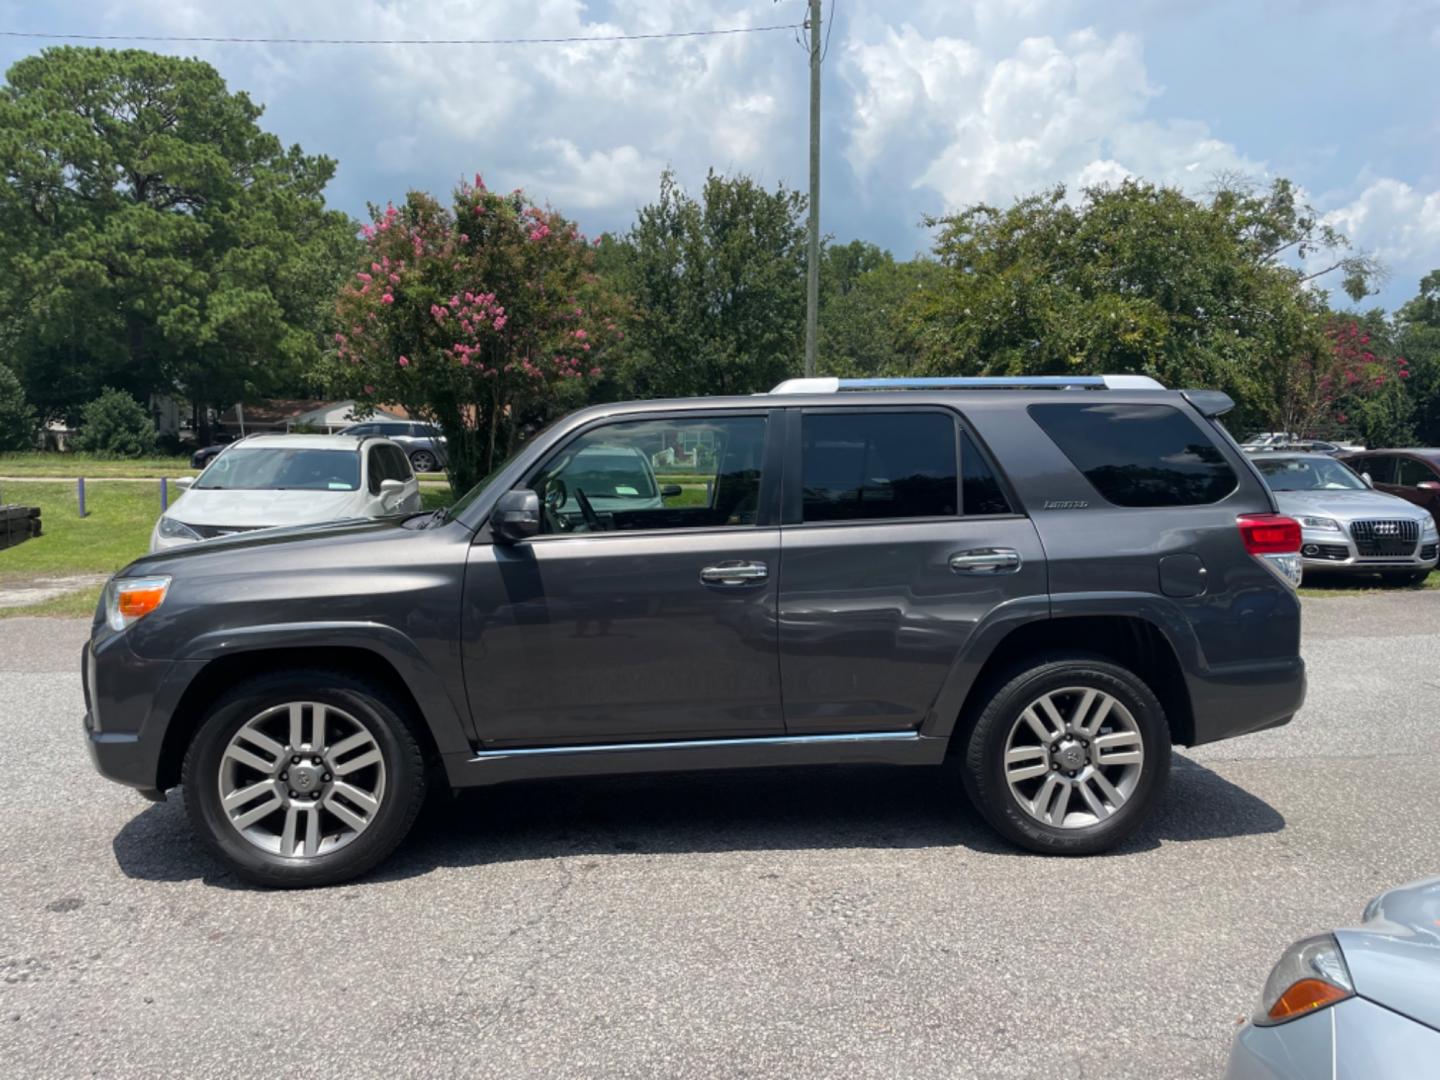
(423,461)
(372,709)
(985,747)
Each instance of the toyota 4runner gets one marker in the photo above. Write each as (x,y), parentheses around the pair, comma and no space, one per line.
(1051,580)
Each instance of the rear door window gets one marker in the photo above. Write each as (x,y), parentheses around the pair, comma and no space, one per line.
(981,492)
(1139,455)
(860,466)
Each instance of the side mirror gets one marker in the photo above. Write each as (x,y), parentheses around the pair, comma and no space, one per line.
(1370,483)
(184,482)
(390,488)
(670,491)
(516,516)
(1429,485)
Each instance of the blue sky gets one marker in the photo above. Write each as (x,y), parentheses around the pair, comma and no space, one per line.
(929,104)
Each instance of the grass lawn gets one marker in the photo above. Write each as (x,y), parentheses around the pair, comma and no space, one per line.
(116,531)
(1356,584)
(87,465)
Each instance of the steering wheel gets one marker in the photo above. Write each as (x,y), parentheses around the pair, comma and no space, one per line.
(592,519)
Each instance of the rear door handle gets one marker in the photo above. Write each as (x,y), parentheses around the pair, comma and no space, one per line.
(986,561)
(735,573)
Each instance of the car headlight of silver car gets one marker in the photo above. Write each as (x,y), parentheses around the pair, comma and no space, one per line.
(1428,529)
(170,529)
(1311,975)
(1323,524)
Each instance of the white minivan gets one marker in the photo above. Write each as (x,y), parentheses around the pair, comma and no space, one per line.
(267,481)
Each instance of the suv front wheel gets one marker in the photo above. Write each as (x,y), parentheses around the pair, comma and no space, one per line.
(1067,757)
(303,778)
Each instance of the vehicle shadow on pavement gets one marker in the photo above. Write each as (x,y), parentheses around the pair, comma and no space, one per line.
(753,810)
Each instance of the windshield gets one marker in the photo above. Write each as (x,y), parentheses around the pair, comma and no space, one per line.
(1309,474)
(276,468)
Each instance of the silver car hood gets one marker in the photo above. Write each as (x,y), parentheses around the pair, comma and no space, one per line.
(1348,506)
(1394,956)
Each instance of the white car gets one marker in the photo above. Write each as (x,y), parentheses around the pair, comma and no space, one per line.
(268,481)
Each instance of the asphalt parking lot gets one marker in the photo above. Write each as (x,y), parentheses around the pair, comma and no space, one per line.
(833,922)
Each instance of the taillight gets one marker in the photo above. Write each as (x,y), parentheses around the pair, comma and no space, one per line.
(1269,534)
(1274,539)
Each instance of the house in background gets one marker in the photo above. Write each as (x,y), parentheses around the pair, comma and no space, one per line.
(279,415)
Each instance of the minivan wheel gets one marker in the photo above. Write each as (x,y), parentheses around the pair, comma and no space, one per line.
(303,778)
(1068,756)
(422,461)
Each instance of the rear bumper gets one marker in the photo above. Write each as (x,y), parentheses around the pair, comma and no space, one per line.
(1242,698)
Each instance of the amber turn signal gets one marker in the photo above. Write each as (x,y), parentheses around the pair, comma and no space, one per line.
(1305,996)
(128,599)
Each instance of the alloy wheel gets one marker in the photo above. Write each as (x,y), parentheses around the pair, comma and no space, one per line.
(301,779)
(1073,757)
(422,461)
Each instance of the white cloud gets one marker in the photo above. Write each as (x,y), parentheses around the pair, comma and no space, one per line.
(1398,223)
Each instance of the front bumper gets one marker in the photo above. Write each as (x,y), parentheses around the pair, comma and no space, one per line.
(1336,551)
(129,703)
(1354,1040)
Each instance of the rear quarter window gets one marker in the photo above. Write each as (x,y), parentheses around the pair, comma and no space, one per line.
(1139,455)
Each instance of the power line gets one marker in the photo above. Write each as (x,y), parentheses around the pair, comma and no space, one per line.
(576,40)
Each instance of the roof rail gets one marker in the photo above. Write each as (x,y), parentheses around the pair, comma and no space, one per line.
(831,385)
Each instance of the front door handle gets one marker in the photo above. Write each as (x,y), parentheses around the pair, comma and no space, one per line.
(735,573)
(986,561)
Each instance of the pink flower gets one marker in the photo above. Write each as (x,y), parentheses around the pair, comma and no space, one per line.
(363,276)
(594,372)
(580,335)
(499,322)
(369,389)
(540,232)
(464,238)
(404,361)
(394,279)
(586,346)
(387,299)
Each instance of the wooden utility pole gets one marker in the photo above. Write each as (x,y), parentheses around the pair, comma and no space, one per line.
(812,277)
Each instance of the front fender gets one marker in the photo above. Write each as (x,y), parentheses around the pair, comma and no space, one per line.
(446,718)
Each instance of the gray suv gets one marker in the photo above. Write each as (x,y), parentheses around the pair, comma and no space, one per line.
(1051,580)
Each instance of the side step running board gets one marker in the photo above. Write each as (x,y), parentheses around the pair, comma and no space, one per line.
(529,763)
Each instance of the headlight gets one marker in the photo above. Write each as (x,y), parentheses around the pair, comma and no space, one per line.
(1311,975)
(130,599)
(1428,529)
(1323,524)
(171,529)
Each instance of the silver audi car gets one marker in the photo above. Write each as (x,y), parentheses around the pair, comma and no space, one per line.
(1361,1004)
(1345,524)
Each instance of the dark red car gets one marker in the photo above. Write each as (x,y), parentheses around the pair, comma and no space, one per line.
(1414,475)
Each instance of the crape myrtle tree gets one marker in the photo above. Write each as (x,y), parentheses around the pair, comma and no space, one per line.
(483,319)
(154,237)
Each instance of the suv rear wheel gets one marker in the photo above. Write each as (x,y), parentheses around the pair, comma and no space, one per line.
(303,778)
(1068,756)
(422,461)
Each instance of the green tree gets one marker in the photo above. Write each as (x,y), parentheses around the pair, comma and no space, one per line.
(17,418)
(864,297)
(1140,278)
(115,425)
(482,320)
(154,237)
(717,286)
(1417,339)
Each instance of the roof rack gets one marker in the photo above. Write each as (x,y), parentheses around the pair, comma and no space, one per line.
(831,385)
